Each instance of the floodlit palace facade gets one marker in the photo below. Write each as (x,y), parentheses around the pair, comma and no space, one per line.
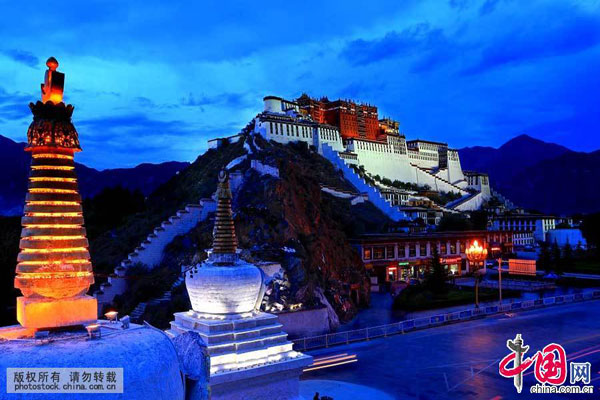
(355,132)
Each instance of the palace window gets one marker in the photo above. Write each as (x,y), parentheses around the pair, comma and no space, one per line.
(452,248)
(378,253)
(412,250)
(390,252)
(423,249)
(443,249)
(367,253)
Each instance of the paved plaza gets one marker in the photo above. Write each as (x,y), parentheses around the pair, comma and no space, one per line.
(460,361)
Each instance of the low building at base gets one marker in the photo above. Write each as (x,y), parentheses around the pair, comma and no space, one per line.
(395,257)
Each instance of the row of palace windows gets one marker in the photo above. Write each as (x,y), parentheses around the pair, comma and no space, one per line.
(371,146)
(299,130)
(424,156)
(329,134)
(413,250)
(398,145)
(425,146)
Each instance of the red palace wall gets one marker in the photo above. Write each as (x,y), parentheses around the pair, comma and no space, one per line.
(353,120)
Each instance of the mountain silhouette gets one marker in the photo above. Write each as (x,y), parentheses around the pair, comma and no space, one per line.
(538,175)
(14,164)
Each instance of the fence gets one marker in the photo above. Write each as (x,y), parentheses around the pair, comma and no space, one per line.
(364,334)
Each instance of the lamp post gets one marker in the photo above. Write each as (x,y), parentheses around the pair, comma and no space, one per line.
(500,278)
(476,255)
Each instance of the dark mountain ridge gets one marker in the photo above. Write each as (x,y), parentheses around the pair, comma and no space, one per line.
(539,175)
(14,163)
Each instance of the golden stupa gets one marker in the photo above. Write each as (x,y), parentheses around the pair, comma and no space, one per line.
(54,270)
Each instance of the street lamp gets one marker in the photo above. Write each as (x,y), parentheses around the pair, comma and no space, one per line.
(500,278)
(476,255)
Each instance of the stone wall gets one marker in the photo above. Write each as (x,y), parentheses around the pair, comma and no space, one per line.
(304,323)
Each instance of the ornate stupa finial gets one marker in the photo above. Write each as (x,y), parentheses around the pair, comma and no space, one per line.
(54,83)
(224,238)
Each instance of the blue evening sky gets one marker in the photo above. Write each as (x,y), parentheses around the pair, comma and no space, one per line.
(152,81)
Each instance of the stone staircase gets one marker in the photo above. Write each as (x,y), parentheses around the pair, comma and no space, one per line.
(139,310)
(150,251)
(468,202)
(440,183)
(373,193)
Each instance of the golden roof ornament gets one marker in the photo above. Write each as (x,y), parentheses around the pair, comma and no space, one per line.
(224,238)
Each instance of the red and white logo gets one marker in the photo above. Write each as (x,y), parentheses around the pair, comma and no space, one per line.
(550,366)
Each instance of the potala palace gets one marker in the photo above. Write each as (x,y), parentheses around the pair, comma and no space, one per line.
(352,134)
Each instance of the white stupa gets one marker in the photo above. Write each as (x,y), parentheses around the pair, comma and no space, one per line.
(250,356)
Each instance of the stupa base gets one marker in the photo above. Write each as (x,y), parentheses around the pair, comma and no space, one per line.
(44,313)
(279,380)
(250,356)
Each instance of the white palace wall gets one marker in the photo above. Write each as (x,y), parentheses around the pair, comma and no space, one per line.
(287,131)
(381,159)
(455,173)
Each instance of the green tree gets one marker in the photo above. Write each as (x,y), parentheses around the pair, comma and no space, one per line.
(544,259)
(557,261)
(436,276)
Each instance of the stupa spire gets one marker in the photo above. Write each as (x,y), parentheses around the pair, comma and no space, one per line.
(224,238)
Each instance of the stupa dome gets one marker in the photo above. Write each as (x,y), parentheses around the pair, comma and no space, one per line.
(232,289)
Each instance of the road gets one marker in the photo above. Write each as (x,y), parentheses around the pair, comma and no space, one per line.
(460,361)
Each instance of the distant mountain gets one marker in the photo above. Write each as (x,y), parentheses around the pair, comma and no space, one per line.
(520,152)
(566,184)
(539,175)
(14,164)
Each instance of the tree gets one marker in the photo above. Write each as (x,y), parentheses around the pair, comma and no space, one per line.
(454,222)
(567,259)
(436,276)
(579,252)
(544,259)
(557,261)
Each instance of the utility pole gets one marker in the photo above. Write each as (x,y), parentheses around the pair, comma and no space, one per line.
(500,278)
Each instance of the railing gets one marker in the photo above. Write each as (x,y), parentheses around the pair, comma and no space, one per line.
(373,332)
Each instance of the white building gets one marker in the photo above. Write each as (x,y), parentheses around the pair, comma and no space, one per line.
(538,225)
(478,181)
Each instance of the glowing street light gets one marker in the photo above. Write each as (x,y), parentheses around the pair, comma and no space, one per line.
(476,255)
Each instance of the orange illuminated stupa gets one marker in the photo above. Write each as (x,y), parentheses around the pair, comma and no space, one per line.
(54,271)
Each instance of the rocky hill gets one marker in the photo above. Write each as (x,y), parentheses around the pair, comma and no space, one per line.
(14,164)
(286,219)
